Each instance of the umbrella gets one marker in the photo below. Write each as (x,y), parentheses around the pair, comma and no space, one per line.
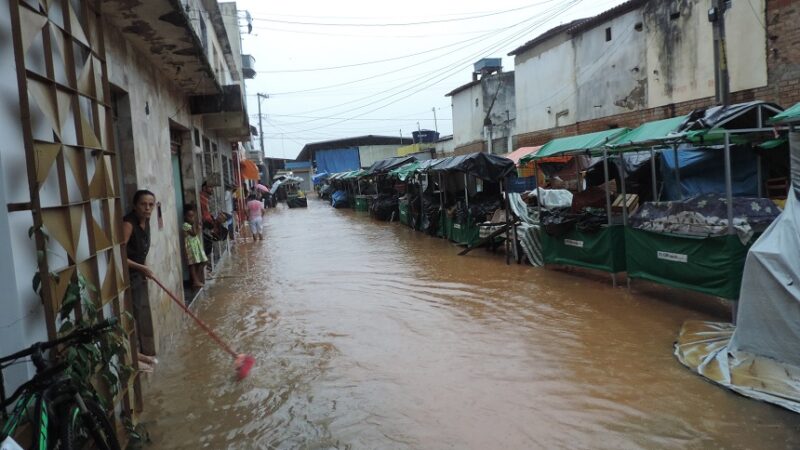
(262,188)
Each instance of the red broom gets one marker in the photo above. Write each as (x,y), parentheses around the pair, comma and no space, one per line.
(243,363)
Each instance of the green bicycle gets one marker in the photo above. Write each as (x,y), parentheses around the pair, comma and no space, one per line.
(62,418)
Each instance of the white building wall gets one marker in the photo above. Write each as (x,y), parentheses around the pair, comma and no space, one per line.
(669,61)
(545,87)
(468,115)
(611,75)
(681,55)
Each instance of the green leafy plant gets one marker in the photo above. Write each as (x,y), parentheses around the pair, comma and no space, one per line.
(98,359)
(100,362)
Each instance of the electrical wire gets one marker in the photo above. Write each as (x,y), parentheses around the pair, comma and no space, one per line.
(447,70)
(492,32)
(403,24)
(396,58)
(554,12)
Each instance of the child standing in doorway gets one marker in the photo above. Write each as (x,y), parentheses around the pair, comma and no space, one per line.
(195,256)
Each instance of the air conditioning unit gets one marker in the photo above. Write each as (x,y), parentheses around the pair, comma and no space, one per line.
(248,67)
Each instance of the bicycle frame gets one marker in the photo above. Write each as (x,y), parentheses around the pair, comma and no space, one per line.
(36,400)
(46,390)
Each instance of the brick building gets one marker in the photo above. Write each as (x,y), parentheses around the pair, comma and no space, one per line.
(647,60)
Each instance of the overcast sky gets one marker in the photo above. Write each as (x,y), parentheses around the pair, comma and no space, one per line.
(399,68)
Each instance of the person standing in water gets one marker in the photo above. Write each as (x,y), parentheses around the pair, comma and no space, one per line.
(195,256)
(136,239)
(255,211)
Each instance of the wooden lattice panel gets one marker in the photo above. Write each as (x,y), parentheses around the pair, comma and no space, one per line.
(66,118)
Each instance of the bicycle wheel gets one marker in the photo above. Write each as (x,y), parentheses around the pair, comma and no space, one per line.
(79,429)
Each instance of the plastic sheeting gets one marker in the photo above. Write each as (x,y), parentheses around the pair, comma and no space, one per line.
(338,160)
(553,198)
(529,232)
(769,312)
(758,358)
(385,165)
(703,171)
(339,199)
(704,348)
(481,165)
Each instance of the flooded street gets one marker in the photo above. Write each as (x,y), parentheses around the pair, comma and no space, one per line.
(369,335)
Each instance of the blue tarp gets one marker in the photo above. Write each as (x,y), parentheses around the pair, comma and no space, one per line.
(339,199)
(338,160)
(318,178)
(702,171)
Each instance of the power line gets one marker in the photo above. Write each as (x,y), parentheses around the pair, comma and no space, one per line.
(457,66)
(304,16)
(317,117)
(490,33)
(402,24)
(362,35)
(554,12)
(396,58)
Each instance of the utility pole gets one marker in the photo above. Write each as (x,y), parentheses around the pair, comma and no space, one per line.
(260,125)
(716,15)
(435,123)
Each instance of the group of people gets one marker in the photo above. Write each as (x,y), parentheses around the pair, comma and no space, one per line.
(197,247)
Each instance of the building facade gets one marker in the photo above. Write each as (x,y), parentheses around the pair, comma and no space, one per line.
(646,60)
(101,99)
(484,109)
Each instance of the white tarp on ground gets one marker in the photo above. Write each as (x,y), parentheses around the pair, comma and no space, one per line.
(760,357)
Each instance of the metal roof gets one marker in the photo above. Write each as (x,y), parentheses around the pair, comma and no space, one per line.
(370,139)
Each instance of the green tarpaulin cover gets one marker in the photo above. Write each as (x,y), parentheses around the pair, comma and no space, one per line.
(791,115)
(574,144)
(711,265)
(354,174)
(402,173)
(603,250)
(647,134)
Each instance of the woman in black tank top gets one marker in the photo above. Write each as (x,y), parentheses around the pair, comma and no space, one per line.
(136,232)
(136,238)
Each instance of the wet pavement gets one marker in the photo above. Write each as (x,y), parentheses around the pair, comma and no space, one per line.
(369,335)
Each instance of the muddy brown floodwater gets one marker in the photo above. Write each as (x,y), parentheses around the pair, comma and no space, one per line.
(369,335)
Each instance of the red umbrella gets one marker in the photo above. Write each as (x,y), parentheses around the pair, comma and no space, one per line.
(262,188)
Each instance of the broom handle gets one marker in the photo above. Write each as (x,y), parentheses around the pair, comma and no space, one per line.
(202,324)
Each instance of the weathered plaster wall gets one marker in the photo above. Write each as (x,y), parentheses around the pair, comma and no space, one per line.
(471,105)
(611,75)
(668,62)
(148,90)
(545,86)
(680,49)
(197,13)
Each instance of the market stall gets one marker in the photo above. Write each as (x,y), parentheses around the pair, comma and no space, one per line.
(588,238)
(758,356)
(700,242)
(483,177)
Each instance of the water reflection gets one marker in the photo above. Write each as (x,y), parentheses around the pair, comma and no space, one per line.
(370,335)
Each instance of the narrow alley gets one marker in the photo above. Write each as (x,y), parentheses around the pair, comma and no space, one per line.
(370,335)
